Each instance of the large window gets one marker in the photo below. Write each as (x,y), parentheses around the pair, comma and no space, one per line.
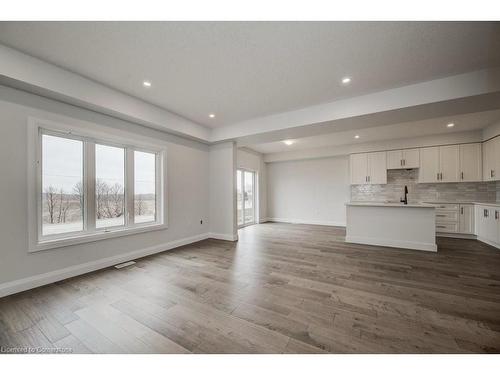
(89,188)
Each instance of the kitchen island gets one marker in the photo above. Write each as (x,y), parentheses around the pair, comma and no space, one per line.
(408,226)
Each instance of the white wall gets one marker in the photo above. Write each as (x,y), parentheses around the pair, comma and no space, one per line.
(187,182)
(254,161)
(222,187)
(308,191)
(491,131)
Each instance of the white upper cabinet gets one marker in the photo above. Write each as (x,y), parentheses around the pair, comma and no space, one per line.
(377,168)
(399,159)
(491,159)
(411,158)
(359,169)
(394,159)
(448,163)
(470,162)
(429,165)
(368,168)
(439,164)
(454,163)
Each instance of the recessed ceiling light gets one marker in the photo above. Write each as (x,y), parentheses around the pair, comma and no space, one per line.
(212,115)
(146,84)
(356,136)
(346,80)
(450,125)
(288,142)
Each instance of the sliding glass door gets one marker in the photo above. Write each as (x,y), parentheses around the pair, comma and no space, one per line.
(245,185)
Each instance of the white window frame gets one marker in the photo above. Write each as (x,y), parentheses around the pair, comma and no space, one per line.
(91,135)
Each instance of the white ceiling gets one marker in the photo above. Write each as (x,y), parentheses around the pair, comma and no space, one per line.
(468,122)
(244,70)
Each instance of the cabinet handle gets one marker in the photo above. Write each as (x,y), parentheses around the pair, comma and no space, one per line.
(462,175)
(461,210)
(437,176)
(491,173)
(401,162)
(496,215)
(485,212)
(441,176)
(404,161)
(440,226)
(441,215)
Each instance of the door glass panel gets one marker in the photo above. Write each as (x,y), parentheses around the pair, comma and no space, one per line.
(249,216)
(239,197)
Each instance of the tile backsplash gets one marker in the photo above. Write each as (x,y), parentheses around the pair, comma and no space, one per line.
(398,178)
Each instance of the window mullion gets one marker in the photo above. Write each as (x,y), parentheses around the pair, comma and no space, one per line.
(129,187)
(90,179)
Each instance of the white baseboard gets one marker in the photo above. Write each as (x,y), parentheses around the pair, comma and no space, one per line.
(224,237)
(31,282)
(488,242)
(457,235)
(392,243)
(304,221)
(263,220)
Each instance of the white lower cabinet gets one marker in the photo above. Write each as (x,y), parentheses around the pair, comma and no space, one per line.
(488,224)
(455,218)
(466,219)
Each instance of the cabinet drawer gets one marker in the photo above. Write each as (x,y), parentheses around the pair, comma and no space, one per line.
(444,216)
(447,206)
(447,227)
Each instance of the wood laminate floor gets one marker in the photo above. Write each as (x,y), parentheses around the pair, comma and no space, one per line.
(281,288)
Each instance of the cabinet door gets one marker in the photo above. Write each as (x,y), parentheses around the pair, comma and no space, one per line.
(487,224)
(429,164)
(497,219)
(466,219)
(394,159)
(489,163)
(496,164)
(448,161)
(480,221)
(470,162)
(377,168)
(359,169)
(411,158)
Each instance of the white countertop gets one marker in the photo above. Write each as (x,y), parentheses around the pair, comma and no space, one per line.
(390,204)
(495,204)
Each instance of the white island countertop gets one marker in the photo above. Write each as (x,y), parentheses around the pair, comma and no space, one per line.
(390,204)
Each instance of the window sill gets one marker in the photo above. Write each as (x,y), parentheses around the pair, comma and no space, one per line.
(92,237)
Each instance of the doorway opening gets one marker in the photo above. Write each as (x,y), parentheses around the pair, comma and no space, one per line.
(245,186)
